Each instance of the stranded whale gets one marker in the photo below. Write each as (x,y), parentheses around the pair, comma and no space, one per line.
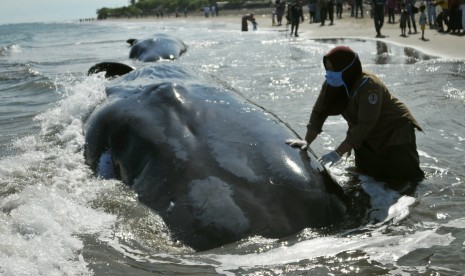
(213,165)
(161,46)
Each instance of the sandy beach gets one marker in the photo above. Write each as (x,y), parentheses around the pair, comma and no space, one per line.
(444,45)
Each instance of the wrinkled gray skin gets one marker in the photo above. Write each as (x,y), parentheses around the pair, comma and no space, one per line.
(161,46)
(213,165)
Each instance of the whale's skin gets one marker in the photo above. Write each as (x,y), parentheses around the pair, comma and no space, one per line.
(213,165)
(160,46)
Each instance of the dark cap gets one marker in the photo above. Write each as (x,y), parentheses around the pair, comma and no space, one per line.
(340,57)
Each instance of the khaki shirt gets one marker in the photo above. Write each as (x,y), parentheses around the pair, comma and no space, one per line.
(374,115)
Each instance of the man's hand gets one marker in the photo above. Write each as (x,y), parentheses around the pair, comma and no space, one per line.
(302,144)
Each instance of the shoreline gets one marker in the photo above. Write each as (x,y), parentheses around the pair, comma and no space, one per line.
(442,45)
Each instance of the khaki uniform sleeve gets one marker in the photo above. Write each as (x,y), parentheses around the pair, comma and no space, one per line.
(369,100)
(318,117)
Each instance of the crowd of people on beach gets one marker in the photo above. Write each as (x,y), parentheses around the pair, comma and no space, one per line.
(447,16)
(210,10)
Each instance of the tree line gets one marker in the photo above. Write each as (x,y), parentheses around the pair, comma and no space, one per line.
(154,7)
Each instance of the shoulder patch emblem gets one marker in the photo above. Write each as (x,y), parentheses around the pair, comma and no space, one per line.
(373,98)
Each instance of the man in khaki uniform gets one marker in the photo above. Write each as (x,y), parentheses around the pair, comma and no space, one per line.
(381,128)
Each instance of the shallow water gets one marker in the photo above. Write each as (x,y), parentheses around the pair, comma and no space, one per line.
(56,218)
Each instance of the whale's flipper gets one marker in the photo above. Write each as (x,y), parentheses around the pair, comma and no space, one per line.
(111,69)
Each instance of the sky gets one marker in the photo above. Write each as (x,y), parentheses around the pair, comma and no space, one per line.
(30,11)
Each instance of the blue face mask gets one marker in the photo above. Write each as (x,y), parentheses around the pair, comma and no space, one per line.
(334,79)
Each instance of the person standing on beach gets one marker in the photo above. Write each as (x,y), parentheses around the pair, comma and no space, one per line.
(213,10)
(311,10)
(431,11)
(381,129)
(339,4)
(422,21)
(444,4)
(455,22)
(330,10)
(206,10)
(462,7)
(378,16)
(391,7)
(403,20)
(280,8)
(409,5)
(295,15)
(358,6)
(351,7)
(323,5)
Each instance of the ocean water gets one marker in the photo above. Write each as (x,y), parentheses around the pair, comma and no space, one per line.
(56,218)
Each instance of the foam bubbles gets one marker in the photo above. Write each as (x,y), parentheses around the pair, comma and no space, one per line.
(48,192)
(80,97)
(10,49)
